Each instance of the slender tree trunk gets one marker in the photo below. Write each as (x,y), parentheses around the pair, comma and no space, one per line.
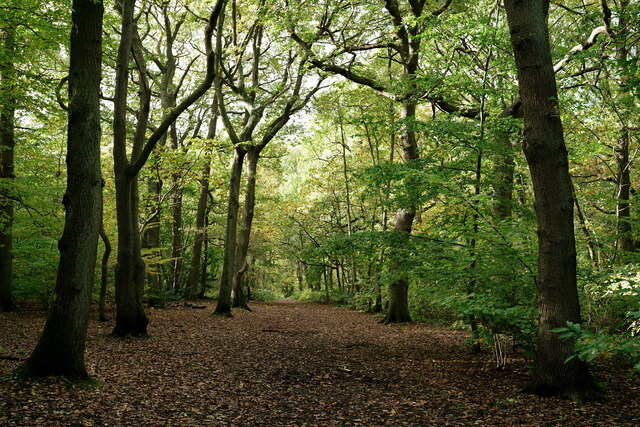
(60,349)
(104,276)
(347,189)
(7,144)
(151,235)
(176,223)
(475,336)
(546,156)
(239,296)
(623,192)
(503,176)
(196,258)
(593,254)
(205,260)
(226,280)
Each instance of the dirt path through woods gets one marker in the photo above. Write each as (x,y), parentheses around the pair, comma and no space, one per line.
(289,363)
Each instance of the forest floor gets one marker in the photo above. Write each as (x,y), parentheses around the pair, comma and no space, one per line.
(289,363)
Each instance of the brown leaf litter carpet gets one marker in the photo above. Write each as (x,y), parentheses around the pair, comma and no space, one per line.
(289,363)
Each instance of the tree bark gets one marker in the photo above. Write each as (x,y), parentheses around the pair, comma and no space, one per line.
(60,349)
(7,144)
(399,288)
(196,258)
(239,296)
(151,235)
(223,306)
(130,316)
(176,231)
(104,276)
(621,150)
(546,156)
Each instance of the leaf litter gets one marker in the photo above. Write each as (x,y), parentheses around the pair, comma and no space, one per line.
(289,363)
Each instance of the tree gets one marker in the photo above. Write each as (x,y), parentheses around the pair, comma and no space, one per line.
(270,92)
(546,156)
(7,145)
(130,315)
(60,349)
(201,214)
(407,21)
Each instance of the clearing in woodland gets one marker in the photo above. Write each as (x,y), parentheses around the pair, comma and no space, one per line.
(290,363)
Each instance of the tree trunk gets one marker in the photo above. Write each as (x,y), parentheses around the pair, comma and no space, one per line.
(503,176)
(398,288)
(176,223)
(623,192)
(104,277)
(201,214)
(131,318)
(546,156)
(151,236)
(176,238)
(621,150)
(205,261)
(593,254)
(226,280)
(239,296)
(196,258)
(7,144)
(60,350)
(129,276)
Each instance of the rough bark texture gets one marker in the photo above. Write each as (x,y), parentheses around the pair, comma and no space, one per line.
(60,350)
(409,52)
(130,315)
(7,144)
(399,287)
(224,296)
(546,156)
(239,295)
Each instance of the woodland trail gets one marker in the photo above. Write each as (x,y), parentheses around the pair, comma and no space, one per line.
(289,363)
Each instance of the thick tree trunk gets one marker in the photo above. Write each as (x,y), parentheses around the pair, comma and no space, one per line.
(546,156)
(60,350)
(239,296)
(398,288)
(7,144)
(129,272)
(226,280)
(130,316)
